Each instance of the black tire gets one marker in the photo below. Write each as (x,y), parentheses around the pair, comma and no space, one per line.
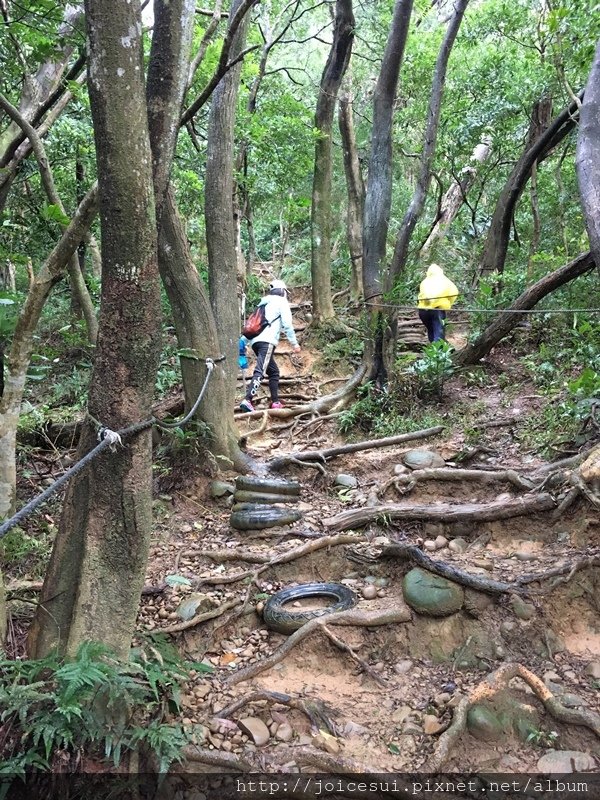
(286,620)
(250,483)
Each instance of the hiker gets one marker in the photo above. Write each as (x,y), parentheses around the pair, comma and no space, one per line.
(279,316)
(437,295)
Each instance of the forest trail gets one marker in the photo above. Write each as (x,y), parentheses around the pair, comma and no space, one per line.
(389,700)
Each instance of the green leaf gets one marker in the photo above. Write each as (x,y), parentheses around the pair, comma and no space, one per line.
(53,213)
(394,749)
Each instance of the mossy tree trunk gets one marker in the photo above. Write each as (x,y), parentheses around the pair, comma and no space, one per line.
(321,211)
(93,584)
(220,234)
(588,157)
(356,194)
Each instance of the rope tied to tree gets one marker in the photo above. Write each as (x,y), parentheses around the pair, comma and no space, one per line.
(108,440)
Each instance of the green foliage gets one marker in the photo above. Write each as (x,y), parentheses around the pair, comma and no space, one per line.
(541,738)
(93,703)
(433,369)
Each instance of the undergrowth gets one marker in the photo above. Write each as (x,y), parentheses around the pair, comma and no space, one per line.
(94,706)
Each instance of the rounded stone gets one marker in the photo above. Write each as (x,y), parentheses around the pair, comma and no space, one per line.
(431,594)
(348,481)
(483,724)
(423,459)
(221,488)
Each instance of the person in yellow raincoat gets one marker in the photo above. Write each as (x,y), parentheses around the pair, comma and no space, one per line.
(437,295)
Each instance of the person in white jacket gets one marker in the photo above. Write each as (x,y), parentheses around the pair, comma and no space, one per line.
(279,317)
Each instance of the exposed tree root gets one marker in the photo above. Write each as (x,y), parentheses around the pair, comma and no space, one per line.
(216,758)
(284,558)
(353,617)
(443,512)
(567,571)
(261,427)
(495,682)
(323,455)
(342,645)
(317,712)
(191,623)
(477,582)
(235,554)
(406,483)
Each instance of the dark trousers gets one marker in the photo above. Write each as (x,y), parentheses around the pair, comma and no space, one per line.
(433,319)
(265,363)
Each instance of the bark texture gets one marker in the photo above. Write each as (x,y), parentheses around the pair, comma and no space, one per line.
(93,584)
(378,198)
(321,211)
(356,194)
(503,323)
(220,234)
(588,157)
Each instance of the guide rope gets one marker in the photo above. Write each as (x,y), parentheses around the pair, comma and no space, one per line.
(108,440)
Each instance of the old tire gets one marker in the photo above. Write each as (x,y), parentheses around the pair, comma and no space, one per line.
(249,483)
(288,620)
(263,516)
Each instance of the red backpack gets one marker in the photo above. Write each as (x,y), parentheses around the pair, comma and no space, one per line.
(256,322)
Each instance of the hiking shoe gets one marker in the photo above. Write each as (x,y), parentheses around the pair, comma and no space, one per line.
(246,406)
(277,405)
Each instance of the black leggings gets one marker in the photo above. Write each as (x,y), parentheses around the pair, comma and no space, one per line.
(265,363)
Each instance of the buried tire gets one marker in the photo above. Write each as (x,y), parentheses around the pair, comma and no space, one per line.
(287,620)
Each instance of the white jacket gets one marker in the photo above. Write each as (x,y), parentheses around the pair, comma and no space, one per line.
(279,314)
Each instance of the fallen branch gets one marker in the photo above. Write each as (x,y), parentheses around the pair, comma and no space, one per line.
(191,623)
(568,570)
(354,617)
(342,645)
(477,582)
(449,474)
(323,455)
(442,512)
(284,558)
(495,682)
(215,758)
(317,712)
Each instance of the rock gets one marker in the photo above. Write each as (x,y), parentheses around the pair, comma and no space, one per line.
(348,481)
(593,670)
(572,700)
(202,690)
(256,729)
(440,542)
(194,604)
(523,555)
(400,714)
(430,594)
(285,732)
(458,545)
(483,724)
(325,741)
(508,626)
(423,459)
(429,544)
(186,528)
(522,609)
(369,592)
(483,563)
(554,642)
(476,602)
(410,729)
(354,729)
(400,469)
(220,488)
(442,698)
(432,725)
(563,761)
(402,667)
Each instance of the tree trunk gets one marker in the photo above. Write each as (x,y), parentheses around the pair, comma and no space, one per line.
(455,196)
(588,157)
(19,355)
(356,195)
(321,212)
(503,323)
(220,237)
(96,573)
(196,329)
(496,243)
(417,202)
(378,197)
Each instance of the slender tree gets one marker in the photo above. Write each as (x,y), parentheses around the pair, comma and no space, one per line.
(356,194)
(93,584)
(588,157)
(321,212)
(218,211)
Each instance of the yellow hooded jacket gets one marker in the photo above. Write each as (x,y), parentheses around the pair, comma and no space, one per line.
(436,290)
